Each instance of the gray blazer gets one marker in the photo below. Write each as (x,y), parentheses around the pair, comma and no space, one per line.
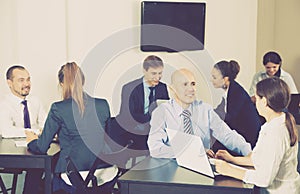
(80,137)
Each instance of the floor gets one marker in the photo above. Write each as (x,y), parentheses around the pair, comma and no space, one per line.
(7,178)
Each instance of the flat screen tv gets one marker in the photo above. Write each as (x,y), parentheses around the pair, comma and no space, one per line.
(172,26)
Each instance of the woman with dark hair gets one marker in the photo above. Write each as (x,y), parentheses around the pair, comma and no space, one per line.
(272,63)
(274,157)
(236,108)
(79,121)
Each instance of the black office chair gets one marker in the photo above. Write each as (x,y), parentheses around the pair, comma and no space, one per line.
(13,188)
(117,137)
(118,158)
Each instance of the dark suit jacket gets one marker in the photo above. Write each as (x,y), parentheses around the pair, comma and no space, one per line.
(241,114)
(81,138)
(131,123)
(132,103)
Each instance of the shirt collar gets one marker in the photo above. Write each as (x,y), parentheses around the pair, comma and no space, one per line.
(146,85)
(225,94)
(264,74)
(178,108)
(15,99)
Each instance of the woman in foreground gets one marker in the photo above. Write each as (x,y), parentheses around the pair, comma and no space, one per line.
(274,157)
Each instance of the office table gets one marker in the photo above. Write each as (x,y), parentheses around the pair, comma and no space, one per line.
(19,157)
(164,176)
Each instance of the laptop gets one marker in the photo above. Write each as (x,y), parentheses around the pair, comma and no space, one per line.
(294,108)
(190,153)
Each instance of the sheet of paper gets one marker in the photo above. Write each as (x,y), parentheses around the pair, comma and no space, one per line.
(21,143)
(36,131)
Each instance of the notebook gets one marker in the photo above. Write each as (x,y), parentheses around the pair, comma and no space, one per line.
(190,153)
(294,107)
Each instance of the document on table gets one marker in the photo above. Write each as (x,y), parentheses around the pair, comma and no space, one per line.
(21,143)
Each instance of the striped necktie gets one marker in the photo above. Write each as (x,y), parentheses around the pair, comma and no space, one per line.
(187,124)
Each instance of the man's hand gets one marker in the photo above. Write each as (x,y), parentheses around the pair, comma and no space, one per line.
(30,136)
(210,153)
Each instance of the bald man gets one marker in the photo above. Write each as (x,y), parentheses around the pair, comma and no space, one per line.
(203,121)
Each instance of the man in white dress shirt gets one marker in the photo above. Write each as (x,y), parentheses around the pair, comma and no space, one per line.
(12,106)
(204,121)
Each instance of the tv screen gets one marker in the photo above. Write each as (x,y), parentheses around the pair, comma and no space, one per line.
(172,26)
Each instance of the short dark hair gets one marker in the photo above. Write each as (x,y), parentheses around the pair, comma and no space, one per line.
(152,61)
(9,72)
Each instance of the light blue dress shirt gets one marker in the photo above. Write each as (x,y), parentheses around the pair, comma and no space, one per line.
(205,122)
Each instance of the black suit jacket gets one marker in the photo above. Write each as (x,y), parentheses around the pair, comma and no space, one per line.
(131,123)
(132,103)
(241,114)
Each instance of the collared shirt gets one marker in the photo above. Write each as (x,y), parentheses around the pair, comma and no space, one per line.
(205,122)
(146,95)
(275,161)
(11,115)
(225,99)
(263,75)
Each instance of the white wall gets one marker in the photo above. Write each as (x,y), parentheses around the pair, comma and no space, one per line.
(34,35)
(103,37)
(287,40)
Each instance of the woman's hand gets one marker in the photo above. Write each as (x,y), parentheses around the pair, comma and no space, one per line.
(226,169)
(223,154)
(30,136)
(223,167)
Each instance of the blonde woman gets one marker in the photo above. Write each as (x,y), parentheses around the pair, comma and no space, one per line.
(79,121)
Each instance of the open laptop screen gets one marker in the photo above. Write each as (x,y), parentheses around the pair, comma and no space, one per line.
(189,152)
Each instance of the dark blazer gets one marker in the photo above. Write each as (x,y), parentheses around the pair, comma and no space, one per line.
(241,114)
(132,102)
(81,138)
(131,123)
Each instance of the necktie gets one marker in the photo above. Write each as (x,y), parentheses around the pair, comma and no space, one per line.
(187,124)
(26,115)
(151,95)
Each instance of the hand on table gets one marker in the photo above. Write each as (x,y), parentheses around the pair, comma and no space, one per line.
(222,167)
(224,155)
(30,136)
(210,153)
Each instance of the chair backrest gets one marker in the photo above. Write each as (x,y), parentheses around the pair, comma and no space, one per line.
(117,138)
(118,158)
